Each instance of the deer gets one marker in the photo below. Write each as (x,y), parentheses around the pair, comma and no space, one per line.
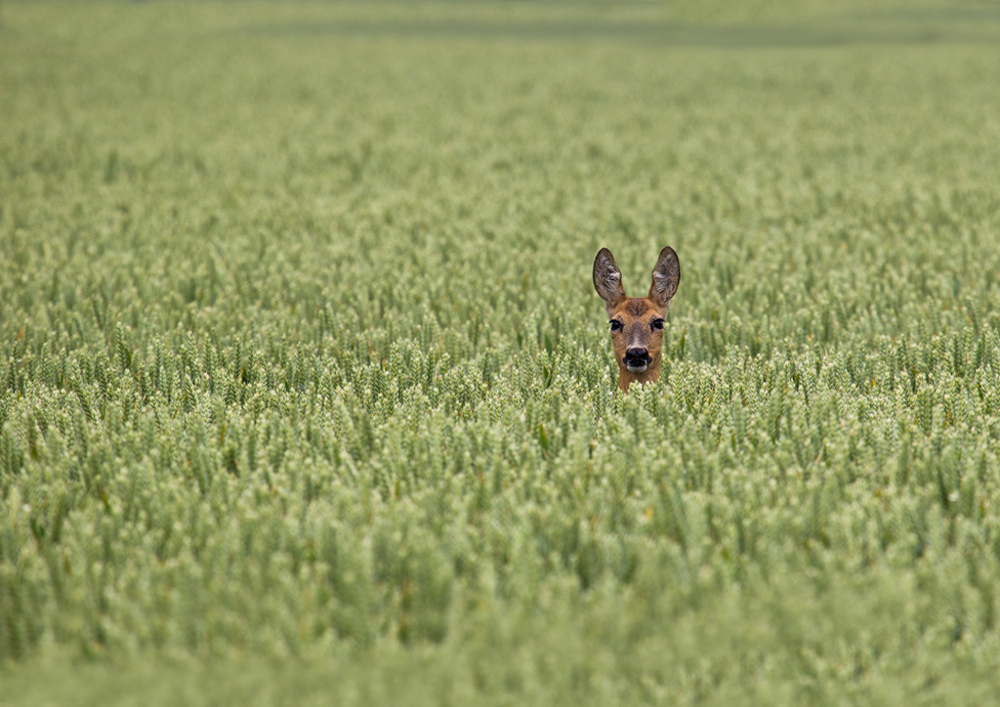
(637,322)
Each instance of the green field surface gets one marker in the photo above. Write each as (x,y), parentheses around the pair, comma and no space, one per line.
(306,396)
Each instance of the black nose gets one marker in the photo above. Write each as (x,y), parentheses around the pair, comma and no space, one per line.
(636,356)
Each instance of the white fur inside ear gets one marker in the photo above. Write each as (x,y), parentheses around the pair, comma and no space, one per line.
(666,277)
(663,284)
(608,278)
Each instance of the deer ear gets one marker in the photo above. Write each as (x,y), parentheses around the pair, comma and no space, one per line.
(608,279)
(666,277)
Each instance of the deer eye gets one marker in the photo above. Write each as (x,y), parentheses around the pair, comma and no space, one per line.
(616,325)
(657,324)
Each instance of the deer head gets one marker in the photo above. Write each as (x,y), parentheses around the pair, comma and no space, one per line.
(637,322)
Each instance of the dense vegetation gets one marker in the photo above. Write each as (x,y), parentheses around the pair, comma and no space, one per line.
(305,392)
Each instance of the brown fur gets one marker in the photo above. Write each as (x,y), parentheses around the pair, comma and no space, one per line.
(637,314)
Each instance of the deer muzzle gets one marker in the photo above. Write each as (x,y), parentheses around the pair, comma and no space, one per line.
(637,359)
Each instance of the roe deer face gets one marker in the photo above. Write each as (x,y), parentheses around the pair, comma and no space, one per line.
(637,322)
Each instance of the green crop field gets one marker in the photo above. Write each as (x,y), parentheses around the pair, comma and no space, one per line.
(306,396)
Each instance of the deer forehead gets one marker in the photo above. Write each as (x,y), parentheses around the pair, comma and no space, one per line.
(635,308)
